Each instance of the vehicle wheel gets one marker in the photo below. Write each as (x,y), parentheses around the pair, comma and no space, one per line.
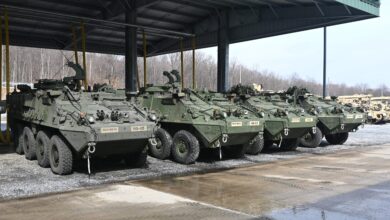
(29,144)
(185,148)
(137,160)
(311,140)
(17,137)
(235,152)
(164,144)
(289,144)
(337,139)
(257,145)
(42,149)
(60,156)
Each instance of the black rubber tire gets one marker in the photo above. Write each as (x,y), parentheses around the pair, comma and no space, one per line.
(42,149)
(289,144)
(60,156)
(17,137)
(337,139)
(234,152)
(257,145)
(311,140)
(137,160)
(185,147)
(29,144)
(164,145)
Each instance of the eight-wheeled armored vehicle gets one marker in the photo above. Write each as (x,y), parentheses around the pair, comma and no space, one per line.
(57,122)
(226,101)
(335,120)
(284,123)
(194,123)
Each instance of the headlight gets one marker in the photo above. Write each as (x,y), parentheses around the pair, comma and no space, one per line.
(91,119)
(262,114)
(153,117)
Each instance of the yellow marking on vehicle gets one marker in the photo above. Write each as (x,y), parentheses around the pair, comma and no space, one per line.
(295,120)
(107,130)
(236,124)
(309,119)
(254,123)
(139,128)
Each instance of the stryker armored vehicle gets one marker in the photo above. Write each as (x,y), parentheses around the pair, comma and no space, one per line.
(226,102)
(194,123)
(284,123)
(57,123)
(335,120)
(377,108)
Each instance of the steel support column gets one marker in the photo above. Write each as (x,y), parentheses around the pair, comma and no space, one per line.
(131,50)
(223,52)
(324,92)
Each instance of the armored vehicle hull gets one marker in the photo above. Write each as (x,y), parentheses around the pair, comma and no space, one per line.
(284,123)
(335,121)
(190,123)
(242,114)
(57,125)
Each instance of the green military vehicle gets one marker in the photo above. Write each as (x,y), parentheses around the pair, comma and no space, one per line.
(194,123)
(57,122)
(335,120)
(226,102)
(284,123)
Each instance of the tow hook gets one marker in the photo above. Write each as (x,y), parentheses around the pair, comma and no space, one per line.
(286,131)
(314,130)
(224,138)
(153,142)
(91,149)
(342,126)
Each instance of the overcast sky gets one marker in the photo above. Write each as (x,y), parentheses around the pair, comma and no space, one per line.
(358,52)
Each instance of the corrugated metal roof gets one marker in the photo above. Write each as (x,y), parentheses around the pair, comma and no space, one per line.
(248,19)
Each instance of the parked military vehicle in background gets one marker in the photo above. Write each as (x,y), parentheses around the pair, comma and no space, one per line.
(377,108)
(242,114)
(335,120)
(284,123)
(57,122)
(194,123)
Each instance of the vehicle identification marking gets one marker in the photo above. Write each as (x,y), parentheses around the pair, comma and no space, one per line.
(358,116)
(139,128)
(350,116)
(109,130)
(254,123)
(295,120)
(236,124)
(309,119)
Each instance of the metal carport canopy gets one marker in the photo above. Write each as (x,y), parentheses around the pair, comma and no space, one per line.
(247,20)
(116,26)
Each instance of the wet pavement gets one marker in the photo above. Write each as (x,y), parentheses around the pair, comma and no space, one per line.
(353,184)
(349,184)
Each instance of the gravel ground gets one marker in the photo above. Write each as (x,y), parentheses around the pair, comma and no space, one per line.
(22,178)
